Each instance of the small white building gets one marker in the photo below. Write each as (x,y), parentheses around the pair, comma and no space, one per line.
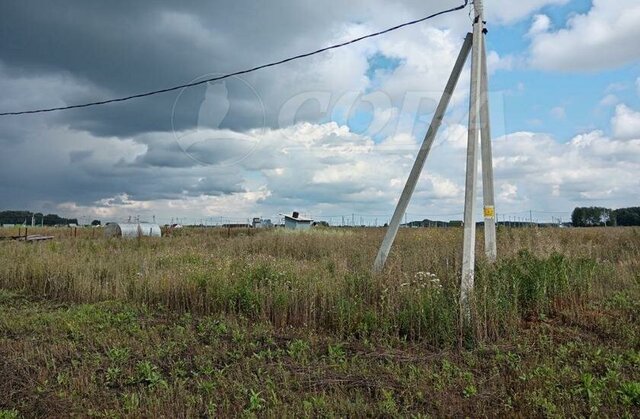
(258,222)
(132,230)
(296,222)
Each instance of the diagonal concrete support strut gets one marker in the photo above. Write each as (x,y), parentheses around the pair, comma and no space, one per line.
(418,165)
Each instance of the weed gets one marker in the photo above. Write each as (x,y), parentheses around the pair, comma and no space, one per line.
(186,325)
(148,374)
(256,403)
(9,414)
(336,353)
(590,387)
(112,375)
(388,404)
(131,402)
(298,350)
(206,386)
(211,409)
(630,393)
(470,389)
(118,355)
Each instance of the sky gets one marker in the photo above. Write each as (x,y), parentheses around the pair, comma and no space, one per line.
(332,136)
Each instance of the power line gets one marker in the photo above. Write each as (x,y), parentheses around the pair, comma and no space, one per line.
(250,70)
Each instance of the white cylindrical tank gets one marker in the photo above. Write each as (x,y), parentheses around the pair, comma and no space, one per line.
(132,230)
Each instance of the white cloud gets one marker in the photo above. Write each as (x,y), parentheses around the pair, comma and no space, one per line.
(324,169)
(609,100)
(626,123)
(535,122)
(558,112)
(605,37)
(496,62)
(560,175)
(509,11)
(541,23)
(616,87)
(424,66)
(508,193)
(455,135)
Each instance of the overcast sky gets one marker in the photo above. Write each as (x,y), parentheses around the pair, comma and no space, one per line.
(330,135)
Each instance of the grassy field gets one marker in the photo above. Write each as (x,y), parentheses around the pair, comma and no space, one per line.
(271,323)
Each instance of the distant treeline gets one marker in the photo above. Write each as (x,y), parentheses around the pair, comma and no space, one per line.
(20,217)
(599,216)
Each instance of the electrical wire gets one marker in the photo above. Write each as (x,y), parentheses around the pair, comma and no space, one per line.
(250,70)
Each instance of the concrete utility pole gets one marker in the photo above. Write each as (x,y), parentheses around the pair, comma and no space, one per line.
(479,131)
(418,165)
(469,239)
(488,194)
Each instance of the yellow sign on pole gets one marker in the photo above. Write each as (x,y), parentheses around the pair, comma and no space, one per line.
(489,212)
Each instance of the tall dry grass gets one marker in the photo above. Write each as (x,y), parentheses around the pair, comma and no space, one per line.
(322,279)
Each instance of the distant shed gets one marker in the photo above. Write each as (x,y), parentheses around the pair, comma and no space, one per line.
(296,222)
(132,230)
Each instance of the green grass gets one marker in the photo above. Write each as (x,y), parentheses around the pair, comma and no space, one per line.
(115,360)
(276,324)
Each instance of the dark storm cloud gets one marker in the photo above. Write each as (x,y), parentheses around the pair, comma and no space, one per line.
(122,47)
(74,51)
(80,155)
(41,169)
